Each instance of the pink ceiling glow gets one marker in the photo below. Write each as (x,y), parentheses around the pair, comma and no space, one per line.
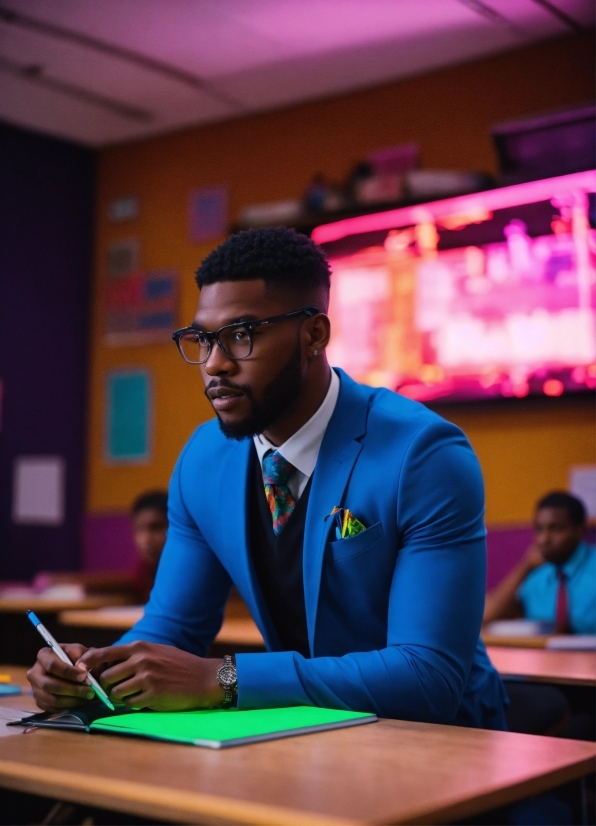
(102,72)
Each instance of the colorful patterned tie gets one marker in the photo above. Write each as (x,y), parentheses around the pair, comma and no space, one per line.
(276,473)
(562,608)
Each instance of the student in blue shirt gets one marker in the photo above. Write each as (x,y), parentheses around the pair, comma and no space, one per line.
(555,582)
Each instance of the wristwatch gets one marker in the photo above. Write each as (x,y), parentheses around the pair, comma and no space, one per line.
(226,677)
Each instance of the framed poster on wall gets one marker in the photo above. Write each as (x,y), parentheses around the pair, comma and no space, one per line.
(140,307)
(128,417)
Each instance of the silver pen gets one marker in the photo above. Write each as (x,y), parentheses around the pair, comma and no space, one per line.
(61,653)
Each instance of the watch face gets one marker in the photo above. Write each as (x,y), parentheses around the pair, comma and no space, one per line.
(227,676)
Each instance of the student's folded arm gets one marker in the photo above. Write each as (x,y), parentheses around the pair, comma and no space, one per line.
(191,588)
(435,607)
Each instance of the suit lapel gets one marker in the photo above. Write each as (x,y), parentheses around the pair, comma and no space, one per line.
(339,450)
(234,525)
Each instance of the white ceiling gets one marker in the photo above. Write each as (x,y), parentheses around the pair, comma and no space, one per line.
(104,71)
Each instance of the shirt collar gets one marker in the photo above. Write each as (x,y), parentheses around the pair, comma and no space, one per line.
(302,448)
(575,561)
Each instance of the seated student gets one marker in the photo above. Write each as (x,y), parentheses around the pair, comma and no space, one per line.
(554,582)
(377,611)
(149,514)
(149,517)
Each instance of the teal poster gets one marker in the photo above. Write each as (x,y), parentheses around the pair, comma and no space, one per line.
(128,416)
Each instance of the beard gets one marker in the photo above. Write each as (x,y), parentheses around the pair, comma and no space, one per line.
(278,395)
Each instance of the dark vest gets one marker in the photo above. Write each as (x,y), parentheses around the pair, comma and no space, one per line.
(278,563)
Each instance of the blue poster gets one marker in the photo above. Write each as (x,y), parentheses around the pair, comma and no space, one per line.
(208,213)
(128,416)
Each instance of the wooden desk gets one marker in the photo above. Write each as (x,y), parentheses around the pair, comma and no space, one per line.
(236,630)
(19,642)
(386,772)
(50,605)
(495,640)
(542,666)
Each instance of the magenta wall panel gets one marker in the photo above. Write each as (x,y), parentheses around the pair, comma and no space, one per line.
(505,547)
(107,543)
(108,546)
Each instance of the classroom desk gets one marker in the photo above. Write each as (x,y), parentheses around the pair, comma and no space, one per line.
(542,666)
(236,630)
(51,605)
(498,641)
(386,772)
(19,642)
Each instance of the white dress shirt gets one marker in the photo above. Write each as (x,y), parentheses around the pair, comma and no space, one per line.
(302,449)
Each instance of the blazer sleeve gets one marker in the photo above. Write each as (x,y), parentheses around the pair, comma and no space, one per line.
(435,607)
(191,588)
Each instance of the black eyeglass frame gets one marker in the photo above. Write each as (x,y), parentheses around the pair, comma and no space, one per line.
(249,326)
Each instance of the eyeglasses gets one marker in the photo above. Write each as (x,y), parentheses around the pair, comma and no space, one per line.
(235,340)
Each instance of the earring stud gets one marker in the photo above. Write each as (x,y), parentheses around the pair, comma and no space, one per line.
(315,352)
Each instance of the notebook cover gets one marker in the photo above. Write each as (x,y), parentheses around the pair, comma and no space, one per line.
(79,718)
(220,728)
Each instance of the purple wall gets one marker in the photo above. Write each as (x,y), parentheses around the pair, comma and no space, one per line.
(505,547)
(46,225)
(107,543)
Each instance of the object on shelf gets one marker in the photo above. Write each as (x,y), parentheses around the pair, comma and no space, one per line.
(385,168)
(395,160)
(442,183)
(316,193)
(359,173)
(554,143)
(276,212)
(379,189)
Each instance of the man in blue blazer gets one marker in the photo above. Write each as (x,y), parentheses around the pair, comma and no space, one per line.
(349,518)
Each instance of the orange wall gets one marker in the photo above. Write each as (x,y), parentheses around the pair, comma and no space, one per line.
(272,156)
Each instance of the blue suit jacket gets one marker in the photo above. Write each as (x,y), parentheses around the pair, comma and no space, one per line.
(393,613)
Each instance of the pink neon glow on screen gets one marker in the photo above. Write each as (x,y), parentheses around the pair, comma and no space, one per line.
(512,314)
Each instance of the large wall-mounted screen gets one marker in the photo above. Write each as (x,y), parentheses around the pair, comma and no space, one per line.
(484,295)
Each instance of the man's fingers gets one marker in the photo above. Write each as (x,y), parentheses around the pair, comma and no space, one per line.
(94,657)
(52,664)
(74,650)
(128,690)
(64,688)
(118,673)
(55,704)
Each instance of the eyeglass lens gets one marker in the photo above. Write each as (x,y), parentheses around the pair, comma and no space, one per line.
(235,341)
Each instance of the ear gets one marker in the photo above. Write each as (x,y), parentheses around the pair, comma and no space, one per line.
(317,331)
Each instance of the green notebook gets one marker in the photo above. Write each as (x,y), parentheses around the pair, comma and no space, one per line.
(219,728)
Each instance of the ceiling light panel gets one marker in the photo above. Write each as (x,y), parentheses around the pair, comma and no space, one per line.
(198,36)
(215,59)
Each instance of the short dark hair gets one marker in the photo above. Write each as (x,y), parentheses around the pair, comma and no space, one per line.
(280,256)
(151,500)
(559,499)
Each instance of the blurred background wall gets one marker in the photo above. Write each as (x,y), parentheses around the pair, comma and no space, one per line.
(59,194)
(525,447)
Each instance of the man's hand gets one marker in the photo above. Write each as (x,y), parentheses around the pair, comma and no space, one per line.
(147,675)
(56,685)
(533,559)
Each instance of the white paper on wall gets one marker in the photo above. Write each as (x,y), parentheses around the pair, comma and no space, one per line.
(582,483)
(38,490)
